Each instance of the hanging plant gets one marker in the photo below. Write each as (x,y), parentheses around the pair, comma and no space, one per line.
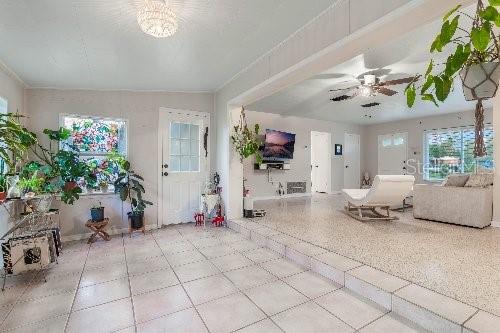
(246,142)
(475,59)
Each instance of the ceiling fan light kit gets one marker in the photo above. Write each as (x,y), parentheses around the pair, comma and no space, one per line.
(157,19)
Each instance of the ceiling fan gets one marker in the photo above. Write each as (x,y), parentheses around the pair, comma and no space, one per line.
(369,86)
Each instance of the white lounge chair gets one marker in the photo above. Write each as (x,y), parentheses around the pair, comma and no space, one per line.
(385,192)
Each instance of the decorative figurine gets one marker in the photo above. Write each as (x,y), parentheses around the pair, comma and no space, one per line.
(200,219)
(367,182)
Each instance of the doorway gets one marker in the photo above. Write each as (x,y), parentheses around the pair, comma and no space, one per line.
(392,154)
(184,164)
(321,162)
(352,173)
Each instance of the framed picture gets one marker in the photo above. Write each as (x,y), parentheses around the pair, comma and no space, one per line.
(338,149)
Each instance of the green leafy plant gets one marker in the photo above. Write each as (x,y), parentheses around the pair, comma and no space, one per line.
(246,142)
(33,184)
(479,44)
(15,140)
(3,179)
(128,185)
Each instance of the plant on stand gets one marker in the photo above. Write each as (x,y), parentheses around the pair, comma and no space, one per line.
(246,141)
(128,186)
(475,53)
(97,212)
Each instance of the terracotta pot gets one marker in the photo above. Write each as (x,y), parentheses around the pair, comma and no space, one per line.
(480,81)
(3,196)
(70,185)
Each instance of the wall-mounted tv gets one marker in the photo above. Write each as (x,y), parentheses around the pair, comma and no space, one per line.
(279,145)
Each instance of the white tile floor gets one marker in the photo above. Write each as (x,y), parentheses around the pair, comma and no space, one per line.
(184,279)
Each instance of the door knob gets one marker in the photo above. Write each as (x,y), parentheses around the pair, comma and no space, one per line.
(346,166)
(165,174)
(165,165)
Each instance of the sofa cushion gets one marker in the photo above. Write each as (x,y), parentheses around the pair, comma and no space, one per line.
(480,180)
(456,179)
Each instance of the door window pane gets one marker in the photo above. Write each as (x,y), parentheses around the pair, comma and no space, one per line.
(184,131)
(175,130)
(184,163)
(195,132)
(175,163)
(184,147)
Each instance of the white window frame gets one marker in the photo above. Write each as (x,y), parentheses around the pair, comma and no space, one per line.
(425,156)
(200,128)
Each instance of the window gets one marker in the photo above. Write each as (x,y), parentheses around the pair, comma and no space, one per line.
(94,138)
(184,147)
(452,150)
(3,105)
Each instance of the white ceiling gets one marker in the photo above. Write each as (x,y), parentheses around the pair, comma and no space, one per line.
(406,56)
(97,44)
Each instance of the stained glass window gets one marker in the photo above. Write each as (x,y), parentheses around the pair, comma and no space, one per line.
(96,136)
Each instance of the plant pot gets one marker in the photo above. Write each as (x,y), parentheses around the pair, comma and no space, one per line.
(104,188)
(97,214)
(3,196)
(480,81)
(136,219)
(68,186)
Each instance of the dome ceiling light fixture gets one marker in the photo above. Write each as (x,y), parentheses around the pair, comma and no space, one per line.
(157,19)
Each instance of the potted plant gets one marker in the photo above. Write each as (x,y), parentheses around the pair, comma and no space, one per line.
(32,185)
(15,140)
(474,57)
(104,186)
(246,142)
(97,212)
(128,186)
(3,184)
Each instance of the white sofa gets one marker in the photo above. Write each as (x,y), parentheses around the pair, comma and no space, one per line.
(470,206)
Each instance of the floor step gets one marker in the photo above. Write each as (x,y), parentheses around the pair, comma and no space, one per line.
(428,309)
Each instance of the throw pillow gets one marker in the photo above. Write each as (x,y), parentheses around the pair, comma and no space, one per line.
(480,180)
(456,179)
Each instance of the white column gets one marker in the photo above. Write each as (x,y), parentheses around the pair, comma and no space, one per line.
(496,156)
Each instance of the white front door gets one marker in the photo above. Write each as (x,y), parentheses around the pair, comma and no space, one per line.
(392,154)
(184,162)
(352,173)
(321,166)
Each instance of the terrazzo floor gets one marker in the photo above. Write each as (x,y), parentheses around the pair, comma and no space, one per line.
(184,279)
(460,262)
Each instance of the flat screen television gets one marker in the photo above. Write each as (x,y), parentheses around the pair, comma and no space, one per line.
(279,145)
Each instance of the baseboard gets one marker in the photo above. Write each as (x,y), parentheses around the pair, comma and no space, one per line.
(111,231)
(495,224)
(284,196)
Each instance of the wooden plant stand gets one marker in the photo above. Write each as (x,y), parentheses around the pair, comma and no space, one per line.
(98,230)
(132,230)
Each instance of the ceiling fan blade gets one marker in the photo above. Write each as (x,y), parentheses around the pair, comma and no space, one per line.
(348,88)
(345,97)
(398,81)
(385,91)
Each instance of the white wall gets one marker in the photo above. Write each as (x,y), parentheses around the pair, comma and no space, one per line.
(415,129)
(12,90)
(257,181)
(142,111)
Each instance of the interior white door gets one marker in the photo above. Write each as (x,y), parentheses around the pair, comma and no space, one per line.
(352,173)
(184,163)
(321,166)
(392,154)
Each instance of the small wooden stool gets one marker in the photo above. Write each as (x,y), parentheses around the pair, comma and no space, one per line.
(98,229)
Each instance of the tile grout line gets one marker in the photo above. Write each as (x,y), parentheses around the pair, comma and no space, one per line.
(182,286)
(129,284)
(363,264)
(77,287)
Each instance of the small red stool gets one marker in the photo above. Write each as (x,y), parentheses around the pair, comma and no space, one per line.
(199,219)
(218,221)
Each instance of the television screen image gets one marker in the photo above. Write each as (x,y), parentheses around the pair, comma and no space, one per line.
(279,144)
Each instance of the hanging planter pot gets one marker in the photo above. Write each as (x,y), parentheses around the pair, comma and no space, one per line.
(480,81)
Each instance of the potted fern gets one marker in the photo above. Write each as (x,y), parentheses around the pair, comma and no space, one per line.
(128,185)
(246,141)
(474,57)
